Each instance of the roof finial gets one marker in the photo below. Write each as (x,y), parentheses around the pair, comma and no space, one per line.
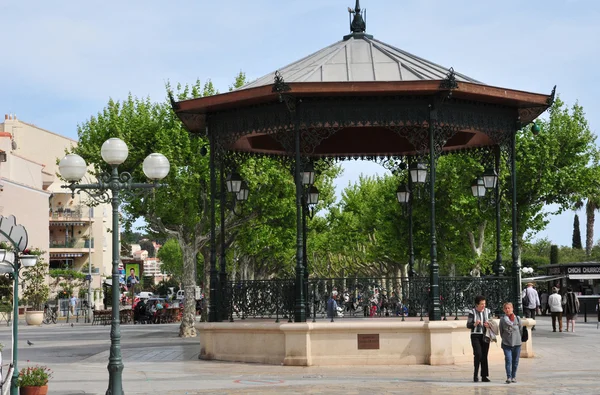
(358,25)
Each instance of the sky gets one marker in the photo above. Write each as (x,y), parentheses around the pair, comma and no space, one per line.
(62,60)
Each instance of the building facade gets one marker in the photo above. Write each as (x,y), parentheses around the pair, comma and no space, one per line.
(72,233)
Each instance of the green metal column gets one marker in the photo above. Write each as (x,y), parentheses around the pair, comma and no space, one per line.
(14,390)
(435,313)
(115,363)
(304,254)
(497,200)
(299,306)
(411,241)
(213,310)
(223,273)
(516,267)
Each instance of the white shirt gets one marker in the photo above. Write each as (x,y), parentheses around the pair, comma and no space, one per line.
(555,303)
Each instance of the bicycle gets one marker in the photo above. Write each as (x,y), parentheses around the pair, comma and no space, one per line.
(50,314)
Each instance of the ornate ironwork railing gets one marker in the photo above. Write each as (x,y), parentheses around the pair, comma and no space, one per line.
(361,297)
(457,294)
(258,299)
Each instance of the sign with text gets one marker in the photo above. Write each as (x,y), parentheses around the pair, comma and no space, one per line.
(368,342)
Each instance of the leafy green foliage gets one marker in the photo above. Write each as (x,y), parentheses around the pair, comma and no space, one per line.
(34,376)
(36,291)
(554,254)
(576,243)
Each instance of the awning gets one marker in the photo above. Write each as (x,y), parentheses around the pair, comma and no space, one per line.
(584,276)
(543,278)
(69,255)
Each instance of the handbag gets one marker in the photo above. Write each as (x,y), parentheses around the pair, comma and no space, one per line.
(524,335)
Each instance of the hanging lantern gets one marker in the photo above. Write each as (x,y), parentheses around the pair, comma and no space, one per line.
(478,188)
(490,178)
(403,194)
(418,173)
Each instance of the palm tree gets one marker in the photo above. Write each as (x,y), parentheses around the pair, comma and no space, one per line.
(592,204)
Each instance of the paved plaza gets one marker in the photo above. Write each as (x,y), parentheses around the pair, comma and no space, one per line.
(158,362)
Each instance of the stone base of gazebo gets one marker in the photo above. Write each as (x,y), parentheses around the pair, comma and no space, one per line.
(344,342)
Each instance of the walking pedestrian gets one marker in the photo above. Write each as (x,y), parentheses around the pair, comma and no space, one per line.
(556,310)
(531,301)
(510,331)
(478,323)
(73,303)
(544,299)
(332,307)
(571,308)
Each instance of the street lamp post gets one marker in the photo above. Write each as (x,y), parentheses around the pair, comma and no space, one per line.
(310,198)
(72,168)
(236,186)
(19,261)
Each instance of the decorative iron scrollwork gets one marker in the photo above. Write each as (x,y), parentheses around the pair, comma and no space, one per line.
(550,100)
(449,83)
(363,297)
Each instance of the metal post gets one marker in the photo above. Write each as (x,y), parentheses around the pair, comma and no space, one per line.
(89,317)
(115,363)
(304,254)
(411,246)
(214,280)
(14,390)
(434,305)
(300,308)
(516,267)
(497,199)
(223,274)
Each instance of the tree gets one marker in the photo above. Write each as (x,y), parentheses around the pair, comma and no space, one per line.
(171,260)
(146,244)
(576,243)
(36,291)
(558,166)
(181,210)
(178,211)
(553,254)
(592,204)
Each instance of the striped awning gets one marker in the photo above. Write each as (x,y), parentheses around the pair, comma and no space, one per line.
(69,255)
(64,223)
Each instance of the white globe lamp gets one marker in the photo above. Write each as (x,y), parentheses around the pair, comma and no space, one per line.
(72,167)
(156,166)
(114,151)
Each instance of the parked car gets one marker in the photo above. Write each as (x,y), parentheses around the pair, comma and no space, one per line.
(145,295)
(197,296)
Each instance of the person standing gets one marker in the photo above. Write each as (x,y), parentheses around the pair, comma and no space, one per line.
(531,301)
(478,323)
(544,299)
(510,330)
(571,308)
(556,310)
(73,302)
(332,307)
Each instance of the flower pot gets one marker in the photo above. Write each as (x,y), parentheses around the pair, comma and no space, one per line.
(34,317)
(33,390)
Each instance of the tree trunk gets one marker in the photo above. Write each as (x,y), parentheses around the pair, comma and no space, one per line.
(187,329)
(590,211)
(206,283)
(477,248)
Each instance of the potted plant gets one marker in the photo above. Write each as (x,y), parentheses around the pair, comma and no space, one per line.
(36,291)
(34,380)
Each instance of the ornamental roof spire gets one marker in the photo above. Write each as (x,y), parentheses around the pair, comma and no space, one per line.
(358,24)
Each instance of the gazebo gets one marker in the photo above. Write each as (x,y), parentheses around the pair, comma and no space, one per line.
(360,98)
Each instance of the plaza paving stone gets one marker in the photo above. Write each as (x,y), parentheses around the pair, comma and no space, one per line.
(158,362)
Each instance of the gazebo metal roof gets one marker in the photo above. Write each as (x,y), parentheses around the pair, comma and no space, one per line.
(382,83)
(360,58)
